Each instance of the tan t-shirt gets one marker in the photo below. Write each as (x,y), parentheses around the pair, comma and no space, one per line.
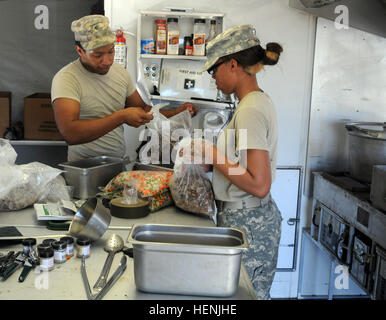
(99,96)
(253,126)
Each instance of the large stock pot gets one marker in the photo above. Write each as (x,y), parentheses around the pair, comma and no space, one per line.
(367,147)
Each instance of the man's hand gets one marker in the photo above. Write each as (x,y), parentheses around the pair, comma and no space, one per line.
(192,108)
(136,116)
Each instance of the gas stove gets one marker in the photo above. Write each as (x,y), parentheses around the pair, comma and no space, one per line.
(347,224)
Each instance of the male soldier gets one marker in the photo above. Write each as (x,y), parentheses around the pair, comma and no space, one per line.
(93,97)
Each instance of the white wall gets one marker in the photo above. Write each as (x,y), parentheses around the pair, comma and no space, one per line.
(288,83)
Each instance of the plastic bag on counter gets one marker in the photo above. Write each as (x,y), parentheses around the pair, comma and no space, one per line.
(8,154)
(190,186)
(23,185)
(169,130)
(152,186)
(56,191)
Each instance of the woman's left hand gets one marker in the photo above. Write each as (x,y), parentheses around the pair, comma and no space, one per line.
(192,108)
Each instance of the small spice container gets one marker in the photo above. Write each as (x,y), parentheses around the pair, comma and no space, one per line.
(28,245)
(42,247)
(60,248)
(70,246)
(48,241)
(46,258)
(83,246)
(29,249)
(188,45)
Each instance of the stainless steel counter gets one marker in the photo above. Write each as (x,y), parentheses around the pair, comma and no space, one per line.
(65,281)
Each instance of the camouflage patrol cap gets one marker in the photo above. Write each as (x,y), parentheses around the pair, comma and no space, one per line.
(233,40)
(93,31)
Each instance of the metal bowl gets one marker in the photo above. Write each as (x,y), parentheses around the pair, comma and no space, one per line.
(91,220)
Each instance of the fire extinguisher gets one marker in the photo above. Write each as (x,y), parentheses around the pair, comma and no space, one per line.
(120,48)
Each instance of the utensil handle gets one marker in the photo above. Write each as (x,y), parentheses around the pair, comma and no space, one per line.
(24,273)
(85,279)
(117,274)
(10,270)
(101,282)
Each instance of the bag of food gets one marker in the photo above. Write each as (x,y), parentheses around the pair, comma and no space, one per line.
(23,185)
(8,154)
(152,186)
(190,186)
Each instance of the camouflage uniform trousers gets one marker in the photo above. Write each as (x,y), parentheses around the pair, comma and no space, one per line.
(262,226)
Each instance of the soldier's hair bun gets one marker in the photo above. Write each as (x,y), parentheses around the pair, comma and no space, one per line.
(272,53)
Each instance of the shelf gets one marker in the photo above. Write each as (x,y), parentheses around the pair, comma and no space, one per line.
(172,56)
(179,14)
(37,143)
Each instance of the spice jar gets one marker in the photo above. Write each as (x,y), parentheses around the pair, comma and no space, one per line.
(46,258)
(42,247)
(199,37)
(83,246)
(60,248)
(188,46)
(70,246)
(173,36)
(48,241)
(160,36)
(29,249)
(28,245)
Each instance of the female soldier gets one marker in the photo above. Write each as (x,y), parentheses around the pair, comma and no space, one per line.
(244,160)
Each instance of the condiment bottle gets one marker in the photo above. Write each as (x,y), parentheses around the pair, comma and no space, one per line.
(70,246)
(46,258)
(60,248)
(212,31)
(199,37)
(160,36)
(173,36)
(188,46)
(83,246)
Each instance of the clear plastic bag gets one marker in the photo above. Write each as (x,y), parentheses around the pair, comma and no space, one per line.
(22,185)
(190,187)
(169,132)
(55,191)
(8,154)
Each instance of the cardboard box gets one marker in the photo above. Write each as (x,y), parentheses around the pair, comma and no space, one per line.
(5,112)
(39,120)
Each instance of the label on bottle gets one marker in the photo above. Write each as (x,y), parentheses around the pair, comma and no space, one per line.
(199,44)
(161,41)
(188,50)
(173,42)
(46,263)
(60,255)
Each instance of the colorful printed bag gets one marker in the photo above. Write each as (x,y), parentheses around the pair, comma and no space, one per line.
(152,186)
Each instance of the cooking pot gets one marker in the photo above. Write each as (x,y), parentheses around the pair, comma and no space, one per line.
(91,220)
(367,147)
